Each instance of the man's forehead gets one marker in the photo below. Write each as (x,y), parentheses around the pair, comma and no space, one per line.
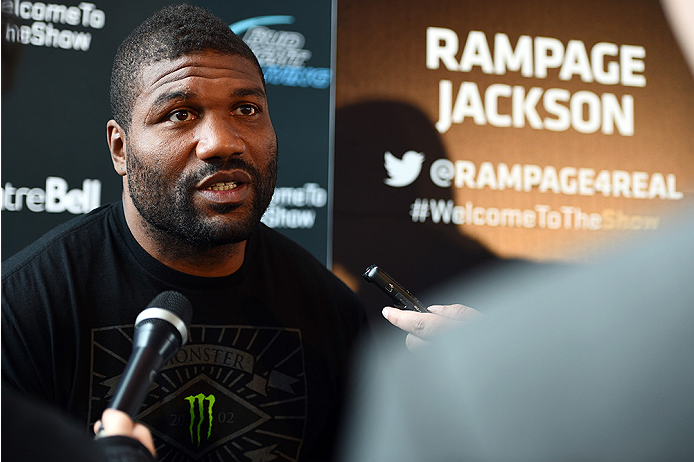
(205,65)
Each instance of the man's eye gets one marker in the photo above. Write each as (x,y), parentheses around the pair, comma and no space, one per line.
(181,115)
(246,110)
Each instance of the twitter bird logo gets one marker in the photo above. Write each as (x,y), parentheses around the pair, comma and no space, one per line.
(402,172)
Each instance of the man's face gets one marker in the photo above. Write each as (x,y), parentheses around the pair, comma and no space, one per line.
(201,150)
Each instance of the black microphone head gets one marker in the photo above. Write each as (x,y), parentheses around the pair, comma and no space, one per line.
(175,302)
(169,308)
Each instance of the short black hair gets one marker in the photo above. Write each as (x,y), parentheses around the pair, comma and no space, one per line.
(171,32)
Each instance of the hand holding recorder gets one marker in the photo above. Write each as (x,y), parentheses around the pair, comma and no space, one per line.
(410,315)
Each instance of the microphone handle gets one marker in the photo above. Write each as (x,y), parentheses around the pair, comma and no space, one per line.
(137,378)
(153,347)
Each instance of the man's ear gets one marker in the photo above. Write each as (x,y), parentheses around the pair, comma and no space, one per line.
(115,136)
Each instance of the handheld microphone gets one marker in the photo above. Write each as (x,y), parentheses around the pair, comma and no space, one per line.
(161,330)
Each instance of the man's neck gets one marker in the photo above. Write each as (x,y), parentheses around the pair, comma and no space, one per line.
(181,255)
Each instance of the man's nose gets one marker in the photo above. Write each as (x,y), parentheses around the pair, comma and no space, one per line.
(219,137)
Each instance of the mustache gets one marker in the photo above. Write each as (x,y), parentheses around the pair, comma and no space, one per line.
(217,165)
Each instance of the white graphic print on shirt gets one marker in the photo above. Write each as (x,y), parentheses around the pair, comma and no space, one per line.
(231,393)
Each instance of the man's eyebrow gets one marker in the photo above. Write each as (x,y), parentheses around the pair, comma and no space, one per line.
(183,95)
(241,92)
(170,96)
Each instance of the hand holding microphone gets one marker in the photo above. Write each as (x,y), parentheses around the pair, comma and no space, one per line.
(161,330)
(115,423)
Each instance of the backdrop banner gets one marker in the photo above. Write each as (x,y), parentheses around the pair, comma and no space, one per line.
(534,131)
(56,71)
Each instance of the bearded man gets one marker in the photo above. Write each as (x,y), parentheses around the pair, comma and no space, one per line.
(264,370)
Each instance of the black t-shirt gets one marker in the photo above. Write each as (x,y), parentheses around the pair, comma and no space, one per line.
(264,370)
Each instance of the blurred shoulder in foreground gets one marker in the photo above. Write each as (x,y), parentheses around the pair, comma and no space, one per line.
(576,363)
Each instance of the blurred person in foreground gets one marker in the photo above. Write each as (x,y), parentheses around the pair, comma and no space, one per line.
(592,364)
(33,431)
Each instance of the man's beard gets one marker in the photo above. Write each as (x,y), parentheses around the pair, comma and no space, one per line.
(169,207)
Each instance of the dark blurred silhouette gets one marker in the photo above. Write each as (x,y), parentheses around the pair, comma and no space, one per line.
(11,50)
(375,218)
(35,431)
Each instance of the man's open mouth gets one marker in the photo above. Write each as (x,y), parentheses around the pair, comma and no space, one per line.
(222,186)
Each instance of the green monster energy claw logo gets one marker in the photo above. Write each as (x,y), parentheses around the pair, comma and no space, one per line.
(199,402)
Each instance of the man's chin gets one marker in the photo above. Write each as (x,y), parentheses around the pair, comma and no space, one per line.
(223,209)
(223,231)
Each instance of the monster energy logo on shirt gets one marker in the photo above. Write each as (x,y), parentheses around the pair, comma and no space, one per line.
(199,402)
